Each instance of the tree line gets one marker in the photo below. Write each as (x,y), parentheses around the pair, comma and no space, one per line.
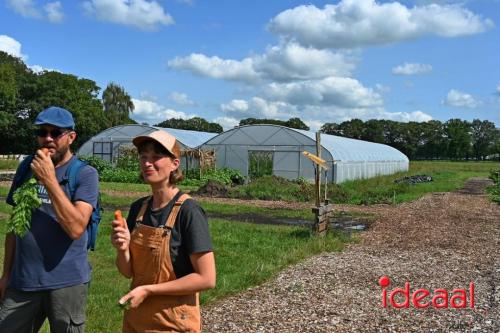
(24,93)
(454,139)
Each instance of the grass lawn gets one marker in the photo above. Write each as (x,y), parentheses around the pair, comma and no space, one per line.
(447,176)
(8,164)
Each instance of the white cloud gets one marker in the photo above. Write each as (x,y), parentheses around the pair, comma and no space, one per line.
(314,125)
(338,115)
(11,46)
(146,95)
(39,69)
(24,7)
(153,113)
(180,98)
(313,116)
(258,107)
(54,11)
(236,105)
(216,67)
(412,69)
(498,90)
(226,122)
(417,116)
(284,62)
(351,24)
(460,99)
(27,8)
(383,89)
(290,61)
(143,14)
(332,91)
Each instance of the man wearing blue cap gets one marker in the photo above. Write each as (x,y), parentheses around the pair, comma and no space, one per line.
(46,272)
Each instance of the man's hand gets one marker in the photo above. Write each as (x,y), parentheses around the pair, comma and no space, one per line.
(43,168)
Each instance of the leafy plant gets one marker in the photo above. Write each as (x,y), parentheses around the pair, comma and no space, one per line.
(261,163)
(225,175)
(26,200)
(495,189)
(98,163)
(127,159)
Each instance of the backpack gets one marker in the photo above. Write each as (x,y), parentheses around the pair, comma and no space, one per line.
(70,181)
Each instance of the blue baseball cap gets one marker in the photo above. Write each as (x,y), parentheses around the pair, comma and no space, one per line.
(55,116)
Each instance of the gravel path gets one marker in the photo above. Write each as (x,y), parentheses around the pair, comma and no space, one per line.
(443,240)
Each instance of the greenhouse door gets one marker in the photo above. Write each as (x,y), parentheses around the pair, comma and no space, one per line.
(260,163)
(104,150)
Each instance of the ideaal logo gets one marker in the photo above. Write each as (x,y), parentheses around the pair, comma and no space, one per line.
(423,298)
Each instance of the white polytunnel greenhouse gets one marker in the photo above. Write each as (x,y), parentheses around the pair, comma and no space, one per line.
(256,150)
(107,143)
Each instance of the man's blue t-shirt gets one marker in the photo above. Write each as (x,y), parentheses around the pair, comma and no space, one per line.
(46,257)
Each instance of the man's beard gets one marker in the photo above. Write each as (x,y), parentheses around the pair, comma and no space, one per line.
(59,155)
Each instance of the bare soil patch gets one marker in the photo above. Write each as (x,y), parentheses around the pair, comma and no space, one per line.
(443,240)
(475,186)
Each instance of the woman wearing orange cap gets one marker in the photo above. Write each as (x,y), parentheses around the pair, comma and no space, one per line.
(164,247)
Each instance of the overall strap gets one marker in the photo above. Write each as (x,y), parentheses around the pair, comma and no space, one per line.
(144,206)
(175,211)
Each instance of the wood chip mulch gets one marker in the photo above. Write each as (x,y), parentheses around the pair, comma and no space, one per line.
(443,240)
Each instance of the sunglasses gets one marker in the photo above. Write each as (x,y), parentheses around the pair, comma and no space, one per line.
(54,133)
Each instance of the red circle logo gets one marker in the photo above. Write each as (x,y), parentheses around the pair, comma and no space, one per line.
(384,281)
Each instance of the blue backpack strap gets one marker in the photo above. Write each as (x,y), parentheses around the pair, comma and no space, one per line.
(72,180)
(23,173)
(71,177)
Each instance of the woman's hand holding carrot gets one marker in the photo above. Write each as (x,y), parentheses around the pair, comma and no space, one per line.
(120,237)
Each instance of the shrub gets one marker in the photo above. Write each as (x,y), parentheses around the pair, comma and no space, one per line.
(226,176)
(494,190)
(98,163)
(127,159)
(270,188)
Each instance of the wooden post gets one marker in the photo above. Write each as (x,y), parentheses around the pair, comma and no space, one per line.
(318,170)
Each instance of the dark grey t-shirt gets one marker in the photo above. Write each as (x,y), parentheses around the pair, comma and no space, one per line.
(190,233)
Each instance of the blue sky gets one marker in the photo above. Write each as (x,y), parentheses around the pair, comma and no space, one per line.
(224,60)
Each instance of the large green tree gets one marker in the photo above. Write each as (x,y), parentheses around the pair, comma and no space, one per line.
(373,131)
(118,105)
(292,122)
(458,138)
(433,141)
(194,124)
(483,135)
(352,128)
(25,95)
(331,128)
(495,145)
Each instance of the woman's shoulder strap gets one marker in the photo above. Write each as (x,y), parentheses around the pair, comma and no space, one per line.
(175,210)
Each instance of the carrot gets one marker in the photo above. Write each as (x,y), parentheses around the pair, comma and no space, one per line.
(45,151)
(119,217)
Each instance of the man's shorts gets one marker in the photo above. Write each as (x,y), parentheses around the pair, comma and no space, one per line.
(25,311)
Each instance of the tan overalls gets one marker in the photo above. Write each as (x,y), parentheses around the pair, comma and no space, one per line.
(151,264)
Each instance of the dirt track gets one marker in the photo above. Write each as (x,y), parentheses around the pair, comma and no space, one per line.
(443,240)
